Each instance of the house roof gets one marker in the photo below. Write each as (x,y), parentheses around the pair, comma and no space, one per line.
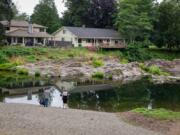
(17,23)
(82,32)
(25,33)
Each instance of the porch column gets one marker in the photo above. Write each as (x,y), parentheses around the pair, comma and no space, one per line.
(44,41)
(124,42)
(12,40)
(110,42)
(94,42)
(34,41)
(16,40)
(23,41)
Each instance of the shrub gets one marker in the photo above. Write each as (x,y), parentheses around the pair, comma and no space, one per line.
(124,61)
(16,51)
(97,63)
(17,60)
(31,58)
(110,77)
(37,74)
(71,55)
(3,58)
(22,71)
(7,67)
(98,75)
(153,69)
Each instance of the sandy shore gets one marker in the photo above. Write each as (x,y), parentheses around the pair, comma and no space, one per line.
(16,119)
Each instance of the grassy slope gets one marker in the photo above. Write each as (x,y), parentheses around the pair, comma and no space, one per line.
(19,55)
(161,114)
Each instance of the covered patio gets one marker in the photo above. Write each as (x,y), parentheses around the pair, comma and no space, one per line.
(23,37)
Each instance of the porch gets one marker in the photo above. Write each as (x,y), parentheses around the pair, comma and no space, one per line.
(28,41)
(103,43)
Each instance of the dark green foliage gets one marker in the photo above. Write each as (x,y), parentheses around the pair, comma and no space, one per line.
(135,52)
(101,13)
(45,13)
(5,14)
(92,13)
(6,9)
(16,51)
(2,31)
(98,75)
(76,13)
(3,58)
(134,19)
(167,26)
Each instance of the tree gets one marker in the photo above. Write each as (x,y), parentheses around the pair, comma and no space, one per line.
(101,13)
(75,15)
(92,13)
(45,13)
(6,10)
(5,14)
(134,19)
(168,25)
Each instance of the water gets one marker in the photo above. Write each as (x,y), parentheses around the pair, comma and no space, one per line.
(92,95)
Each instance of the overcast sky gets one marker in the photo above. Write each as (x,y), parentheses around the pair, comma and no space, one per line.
(27,6)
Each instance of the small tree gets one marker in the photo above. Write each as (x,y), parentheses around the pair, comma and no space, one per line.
(45,13)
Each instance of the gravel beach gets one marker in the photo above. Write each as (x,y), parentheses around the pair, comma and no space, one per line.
(19,119)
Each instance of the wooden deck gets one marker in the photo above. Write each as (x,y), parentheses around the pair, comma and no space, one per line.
(118,46)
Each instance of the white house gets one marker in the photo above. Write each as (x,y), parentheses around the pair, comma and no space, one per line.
(85,37)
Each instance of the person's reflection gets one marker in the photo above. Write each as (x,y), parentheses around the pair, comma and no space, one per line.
(29,97)
(45,98)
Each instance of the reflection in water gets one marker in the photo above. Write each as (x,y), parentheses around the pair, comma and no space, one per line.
(93,96)
(55,99)
(141,93)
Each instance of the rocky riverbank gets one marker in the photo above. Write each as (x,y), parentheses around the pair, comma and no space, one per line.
(83,69)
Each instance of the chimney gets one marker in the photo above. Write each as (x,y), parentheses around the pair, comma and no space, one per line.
(30,27)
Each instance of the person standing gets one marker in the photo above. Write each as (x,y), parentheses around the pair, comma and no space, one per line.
(65,99)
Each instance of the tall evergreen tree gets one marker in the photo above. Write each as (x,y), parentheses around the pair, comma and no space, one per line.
(134,19)
(168,25)
(45,13)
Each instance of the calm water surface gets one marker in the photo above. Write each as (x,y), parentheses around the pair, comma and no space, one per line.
(100,96)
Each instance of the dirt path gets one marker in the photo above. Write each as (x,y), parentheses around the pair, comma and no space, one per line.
(33,120)
(166,127)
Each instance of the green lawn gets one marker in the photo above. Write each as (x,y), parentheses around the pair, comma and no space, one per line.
(161,114)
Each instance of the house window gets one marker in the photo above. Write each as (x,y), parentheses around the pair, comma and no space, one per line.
(100,41)
(7,28)
(41,30)
(88,41)
(64,31)
(62,39)
(116,42)
(79,40)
